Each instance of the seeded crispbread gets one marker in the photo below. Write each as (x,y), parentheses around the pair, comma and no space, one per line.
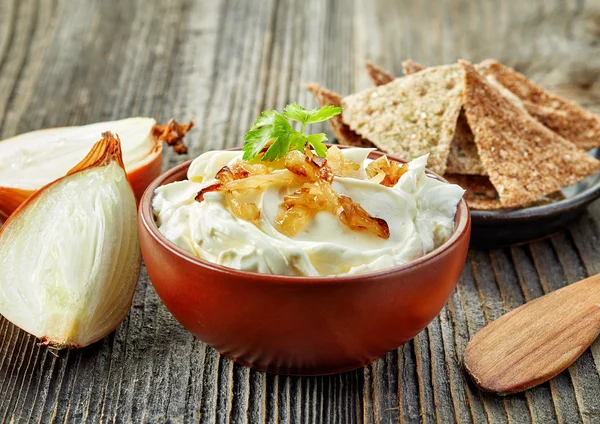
(480,193)
(342,132)
(463,157)
(562,116)
(378,75)
(409,66)
(524,159)
(410,116)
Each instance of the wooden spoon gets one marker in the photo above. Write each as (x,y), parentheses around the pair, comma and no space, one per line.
(536,341)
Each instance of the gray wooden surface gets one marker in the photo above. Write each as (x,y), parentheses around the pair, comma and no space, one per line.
(221,62)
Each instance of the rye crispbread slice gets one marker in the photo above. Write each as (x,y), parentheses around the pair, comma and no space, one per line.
(480,194)
(463,157)
(378,75)
(524,159)
(562,116)
(409,66)
(342,132)
(410,116)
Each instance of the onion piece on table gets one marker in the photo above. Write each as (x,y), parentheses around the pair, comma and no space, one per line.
(32,160)
(70,255)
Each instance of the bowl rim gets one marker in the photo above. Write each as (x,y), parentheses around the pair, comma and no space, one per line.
(462,224)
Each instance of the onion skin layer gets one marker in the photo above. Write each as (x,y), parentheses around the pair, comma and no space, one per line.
(10,199)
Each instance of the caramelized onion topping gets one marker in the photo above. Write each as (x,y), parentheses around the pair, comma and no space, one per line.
(338,164)
(355,217)
(213,187)
(247,211)
(298,208)
(316,194)
(385,172)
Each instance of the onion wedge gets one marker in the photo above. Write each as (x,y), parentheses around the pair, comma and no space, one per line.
(70,254)
(32,160)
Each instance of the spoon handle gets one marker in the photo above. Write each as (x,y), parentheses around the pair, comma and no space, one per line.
(536,341)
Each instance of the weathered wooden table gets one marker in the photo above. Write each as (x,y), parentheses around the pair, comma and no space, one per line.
(222,62)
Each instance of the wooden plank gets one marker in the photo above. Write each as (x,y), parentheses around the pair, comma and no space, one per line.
(478,313)
(535,405)
(550,277)
(222,62)
(441,364)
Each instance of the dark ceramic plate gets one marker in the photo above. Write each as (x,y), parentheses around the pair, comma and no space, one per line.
(504,227)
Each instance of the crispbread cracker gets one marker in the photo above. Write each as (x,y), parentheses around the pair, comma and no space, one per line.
(342,132)
(412,115)
(409,66)
(480,193)
(378,75)
(463,157)
(524,159)
(562,116)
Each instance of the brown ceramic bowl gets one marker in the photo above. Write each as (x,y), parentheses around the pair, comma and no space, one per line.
(300,325)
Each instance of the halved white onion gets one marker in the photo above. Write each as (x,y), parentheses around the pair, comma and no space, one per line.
(70,256)
(32,160)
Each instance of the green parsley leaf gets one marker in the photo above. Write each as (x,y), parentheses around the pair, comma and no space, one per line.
(323,114)
(259,135)
(273,127)
(283,134)
(316,141)
(295,112)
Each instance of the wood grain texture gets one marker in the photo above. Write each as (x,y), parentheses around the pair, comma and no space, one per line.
(221,62)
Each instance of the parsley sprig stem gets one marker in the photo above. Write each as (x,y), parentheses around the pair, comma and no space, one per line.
(272,126)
